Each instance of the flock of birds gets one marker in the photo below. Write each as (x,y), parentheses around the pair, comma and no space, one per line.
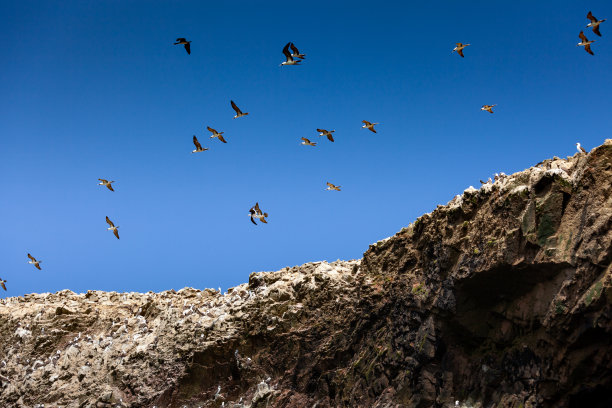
(294,57)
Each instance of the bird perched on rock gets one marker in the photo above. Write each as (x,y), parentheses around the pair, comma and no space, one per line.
(2,283)
(216,134)
(488,108)
(255,212)
(238,111)
(289,58)
(198,146)
(328,133)
(34,262)
(330,187)
(106,183)
(459,49)
(594,24)
(307,142)
(585,43)
(112,227)
(184,42)
(368,125)
(580,148)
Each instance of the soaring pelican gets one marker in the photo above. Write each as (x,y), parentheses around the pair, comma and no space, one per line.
(238,111)
(216,134)
(594,24)
(328,133)
(368,125)
(330,187)
(459,49)
(290,60)
(488,108)
(255,212)
(296,53)
(198,146)
(34,262)
(585,43)
(185,43)
(106,183)
(112,227)
(307,142)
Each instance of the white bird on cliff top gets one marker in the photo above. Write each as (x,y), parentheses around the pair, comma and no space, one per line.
(580,148)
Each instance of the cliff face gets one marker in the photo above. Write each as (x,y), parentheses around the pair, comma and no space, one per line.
(502,296)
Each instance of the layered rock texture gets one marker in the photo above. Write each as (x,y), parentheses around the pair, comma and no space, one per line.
(500,298)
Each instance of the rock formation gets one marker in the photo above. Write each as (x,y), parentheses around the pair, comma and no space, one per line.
(500,298)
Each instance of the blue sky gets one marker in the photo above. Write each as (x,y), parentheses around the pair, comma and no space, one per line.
(97,90)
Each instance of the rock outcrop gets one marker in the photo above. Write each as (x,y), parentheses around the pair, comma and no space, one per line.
(500,298)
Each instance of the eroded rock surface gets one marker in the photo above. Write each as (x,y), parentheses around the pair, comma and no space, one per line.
(502,297)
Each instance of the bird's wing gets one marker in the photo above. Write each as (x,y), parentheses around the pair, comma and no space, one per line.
(253,220)
(591,17)
(222,139)
(583,37)
(459,44)
(596,30)
(583,150)
(109,221)
(238,111)
(116,232)
(365,122)
(188,48)
(180,40)
(330,137)
(104,181)
(294,48)
(256,208)
(372,129)
(110,187)
(321,130)
(287,53)
(460,52)
(196,143)
(31,257)
(213,131)
(3,287)
(262,219)
(38,266)
(588,49)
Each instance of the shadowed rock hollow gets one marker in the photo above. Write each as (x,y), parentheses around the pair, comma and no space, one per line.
(500,298)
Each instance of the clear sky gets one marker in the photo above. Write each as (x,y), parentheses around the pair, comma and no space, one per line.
(96,89)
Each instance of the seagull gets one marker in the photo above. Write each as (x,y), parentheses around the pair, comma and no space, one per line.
(238,111)
(330,187)
(307,142)
(488,108)
(459,48)
(594,24)
(296,53)
(255,212)
(185,43)
(106,183)
(34,262)
(2,283)
(216,134)
(368,125)
(585,42)
(290,60)
(198,146)
(112,227)
(580,148)
(328,133)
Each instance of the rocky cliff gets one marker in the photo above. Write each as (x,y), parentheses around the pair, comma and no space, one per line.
(500,298)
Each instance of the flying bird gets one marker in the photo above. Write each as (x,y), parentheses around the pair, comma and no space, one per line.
(198,146)
(2,283)
(459,49)
(580,148)
(368,125)
(112,227)
(255,212)
(34,262)
(290,60)
(185,43)
(238,111)
(585,43)
(106,183)
(330,187)
(594,24)
(296,53)
(307,142)
(216,134)
(328,133)
(488,108)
